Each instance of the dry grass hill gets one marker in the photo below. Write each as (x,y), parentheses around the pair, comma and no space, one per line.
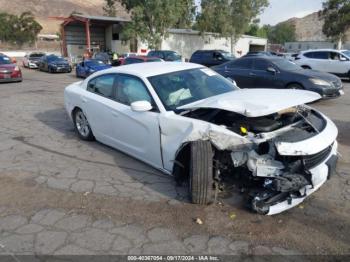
(43,9)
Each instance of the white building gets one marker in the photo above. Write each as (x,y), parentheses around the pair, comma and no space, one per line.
(186,42)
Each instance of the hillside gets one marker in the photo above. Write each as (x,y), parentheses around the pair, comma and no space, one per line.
(309,28)
(43,9)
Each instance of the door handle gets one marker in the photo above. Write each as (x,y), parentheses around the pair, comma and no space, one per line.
(252,74)
(115,114)
(84,100)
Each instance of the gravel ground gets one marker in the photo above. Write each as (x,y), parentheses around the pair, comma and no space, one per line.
(60,195)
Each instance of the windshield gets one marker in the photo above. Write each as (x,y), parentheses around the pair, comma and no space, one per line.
(184,87)
(94,63)
(347,53)
(172,56)
(154,60)
(4,60)
(55,58)
(228,55)
(36,55)
(287,65)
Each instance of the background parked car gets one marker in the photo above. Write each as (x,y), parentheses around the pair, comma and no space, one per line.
(275,72)
(326,60)
(32,60)
(88,67)
(140,59)
(123,56)
(104,57)
(211,57)
(263,53)
(166,55)
(9,72)
(53,64)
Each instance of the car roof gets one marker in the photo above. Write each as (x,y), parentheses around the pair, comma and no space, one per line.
(143,57)
(321,50)
(157,68)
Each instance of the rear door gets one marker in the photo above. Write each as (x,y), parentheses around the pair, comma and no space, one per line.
(319,60)
(240,70)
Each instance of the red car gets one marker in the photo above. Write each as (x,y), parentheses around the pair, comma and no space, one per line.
(9,72)
(139,59)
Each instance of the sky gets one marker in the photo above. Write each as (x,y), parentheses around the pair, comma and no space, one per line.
(281,10)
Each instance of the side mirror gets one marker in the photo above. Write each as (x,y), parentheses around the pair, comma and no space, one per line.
(231,80)
(141,106)
(342,58)
(271,70)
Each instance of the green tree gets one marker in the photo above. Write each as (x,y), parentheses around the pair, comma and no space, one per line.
(281,33)
(109,8)
(19,29)
(336,15)
(229,18)
(151,19)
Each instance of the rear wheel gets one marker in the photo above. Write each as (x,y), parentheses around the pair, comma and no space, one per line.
(201,185)
(82,126)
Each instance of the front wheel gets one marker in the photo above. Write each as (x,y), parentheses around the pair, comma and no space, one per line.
(82,126)
(295,86)
(201,185)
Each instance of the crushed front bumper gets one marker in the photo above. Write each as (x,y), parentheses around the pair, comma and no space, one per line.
(320,174)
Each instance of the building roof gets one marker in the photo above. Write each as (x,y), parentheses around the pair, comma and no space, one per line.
(103,18)
(196,32)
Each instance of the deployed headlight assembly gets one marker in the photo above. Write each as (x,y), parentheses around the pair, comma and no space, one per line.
(320,82)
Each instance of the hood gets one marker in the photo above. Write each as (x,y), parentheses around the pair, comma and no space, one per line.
(317,74)
(59,63)
(99,67)
(255,102)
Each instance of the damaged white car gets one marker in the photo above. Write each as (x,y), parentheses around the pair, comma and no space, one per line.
(188,121)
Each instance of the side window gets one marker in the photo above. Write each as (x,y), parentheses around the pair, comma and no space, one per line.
(243,64)
(320,55)
(261,65)
(131,89)
(309,55)
(334,56)
(102,85)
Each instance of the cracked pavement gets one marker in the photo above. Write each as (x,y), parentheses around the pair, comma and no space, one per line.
(61,195)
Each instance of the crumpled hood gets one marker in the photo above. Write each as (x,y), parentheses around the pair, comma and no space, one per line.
(256,102)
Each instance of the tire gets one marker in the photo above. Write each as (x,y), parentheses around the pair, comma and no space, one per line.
(306,67)
(295,86)
(201,184)
(82,126)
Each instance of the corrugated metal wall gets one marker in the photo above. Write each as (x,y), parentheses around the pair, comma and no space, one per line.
(75,35)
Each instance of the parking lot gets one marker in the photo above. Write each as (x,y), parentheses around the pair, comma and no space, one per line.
(61,195)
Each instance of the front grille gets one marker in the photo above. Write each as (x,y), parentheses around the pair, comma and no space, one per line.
(337,84)
(314,160)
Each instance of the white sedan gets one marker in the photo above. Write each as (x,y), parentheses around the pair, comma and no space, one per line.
(186,120)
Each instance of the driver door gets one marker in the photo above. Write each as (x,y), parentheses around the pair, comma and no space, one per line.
(136,133)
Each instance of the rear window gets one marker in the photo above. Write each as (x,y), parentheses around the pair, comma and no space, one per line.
(4,60)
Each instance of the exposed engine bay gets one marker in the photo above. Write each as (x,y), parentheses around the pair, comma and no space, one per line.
(266,176)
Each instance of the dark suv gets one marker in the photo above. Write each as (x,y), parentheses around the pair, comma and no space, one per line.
(211,57)
(166,55)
